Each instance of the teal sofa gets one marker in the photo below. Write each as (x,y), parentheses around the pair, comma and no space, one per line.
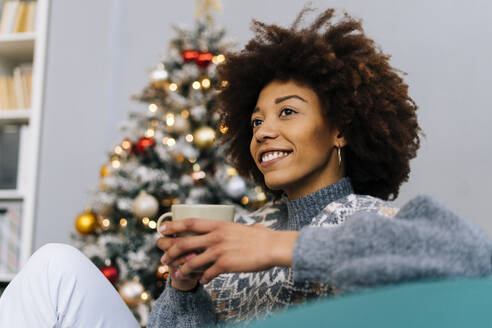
(460,303)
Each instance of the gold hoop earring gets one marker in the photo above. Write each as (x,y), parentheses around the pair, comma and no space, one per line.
(339,157)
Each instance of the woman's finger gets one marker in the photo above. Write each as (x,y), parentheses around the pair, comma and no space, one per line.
(164,243)
(186,245)
(190,225)
(210,274)
(196,261)
(175,271)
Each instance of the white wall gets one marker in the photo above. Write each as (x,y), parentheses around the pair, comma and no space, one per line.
(100,52)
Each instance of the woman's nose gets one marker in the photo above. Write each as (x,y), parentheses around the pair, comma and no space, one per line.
(265,131)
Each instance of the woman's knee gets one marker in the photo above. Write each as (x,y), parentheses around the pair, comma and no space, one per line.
(56,252)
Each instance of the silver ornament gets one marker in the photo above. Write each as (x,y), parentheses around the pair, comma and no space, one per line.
(235,187)
(145,205)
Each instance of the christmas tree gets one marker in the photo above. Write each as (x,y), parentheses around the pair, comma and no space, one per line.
(168,154)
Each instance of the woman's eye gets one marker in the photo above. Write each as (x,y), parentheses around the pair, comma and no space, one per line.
(255,123)
(287,111)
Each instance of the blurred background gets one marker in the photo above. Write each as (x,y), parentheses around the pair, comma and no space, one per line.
(97,54)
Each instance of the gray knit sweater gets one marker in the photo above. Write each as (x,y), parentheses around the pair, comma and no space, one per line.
(346,242)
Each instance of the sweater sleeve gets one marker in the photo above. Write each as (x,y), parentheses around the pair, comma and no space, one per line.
(179,309)
(424,241)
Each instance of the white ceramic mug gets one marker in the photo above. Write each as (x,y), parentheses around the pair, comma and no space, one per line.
(198,211)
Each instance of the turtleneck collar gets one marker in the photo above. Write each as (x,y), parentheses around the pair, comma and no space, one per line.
(302,210)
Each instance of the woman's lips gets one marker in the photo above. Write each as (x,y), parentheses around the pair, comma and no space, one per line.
(275,160)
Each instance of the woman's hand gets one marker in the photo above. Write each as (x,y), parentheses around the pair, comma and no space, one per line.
(182,282)
(228,247)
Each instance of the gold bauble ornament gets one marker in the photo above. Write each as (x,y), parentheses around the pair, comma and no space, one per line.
(86,223)
(131,291)
(259,201)
(204,137)
(104,171)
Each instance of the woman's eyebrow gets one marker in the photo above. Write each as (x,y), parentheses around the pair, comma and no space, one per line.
(280,99)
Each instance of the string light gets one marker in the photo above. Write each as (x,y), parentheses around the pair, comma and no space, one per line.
(198,175)
(192,160)
(171,142)
(196,85)
(126,144)
(224,83)
(149,133)
(105,223)
(185,113)
(152,224)
(206,83)
(218,59)
(170,119)
(145,220)
(189,137)
(144,296)
(123,222)
(116,164)
(118,150)
(196,167)
(244,200)
(173,87)
(153,108)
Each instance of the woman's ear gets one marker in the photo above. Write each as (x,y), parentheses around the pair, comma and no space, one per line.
(339,139)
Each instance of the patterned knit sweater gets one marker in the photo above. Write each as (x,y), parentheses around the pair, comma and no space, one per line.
(246,296)
(346,242)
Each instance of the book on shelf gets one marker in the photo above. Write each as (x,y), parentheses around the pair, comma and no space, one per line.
(15,90)
(9,155)
(24,157)
(18,17)
(10,235)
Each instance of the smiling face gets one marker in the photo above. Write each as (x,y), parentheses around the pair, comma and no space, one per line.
(292,144)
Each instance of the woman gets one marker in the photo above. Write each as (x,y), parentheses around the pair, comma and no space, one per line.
(330,130)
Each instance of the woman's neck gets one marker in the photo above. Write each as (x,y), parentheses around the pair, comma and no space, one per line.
(303,209)
(309,187)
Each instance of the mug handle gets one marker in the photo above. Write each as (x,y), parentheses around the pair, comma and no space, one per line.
(162,218)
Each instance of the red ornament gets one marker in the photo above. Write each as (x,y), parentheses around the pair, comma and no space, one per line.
(204,59)
(143,144)
(111,273)
(189,55)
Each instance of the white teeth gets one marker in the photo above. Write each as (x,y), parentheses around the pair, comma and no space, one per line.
(273,155)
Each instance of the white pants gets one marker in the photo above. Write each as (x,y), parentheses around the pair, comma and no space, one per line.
(60,287)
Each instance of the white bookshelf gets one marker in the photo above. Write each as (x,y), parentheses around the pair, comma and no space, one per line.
(10,195)
(16,49)
(15,116)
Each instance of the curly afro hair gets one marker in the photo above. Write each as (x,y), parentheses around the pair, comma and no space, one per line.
(361,94)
